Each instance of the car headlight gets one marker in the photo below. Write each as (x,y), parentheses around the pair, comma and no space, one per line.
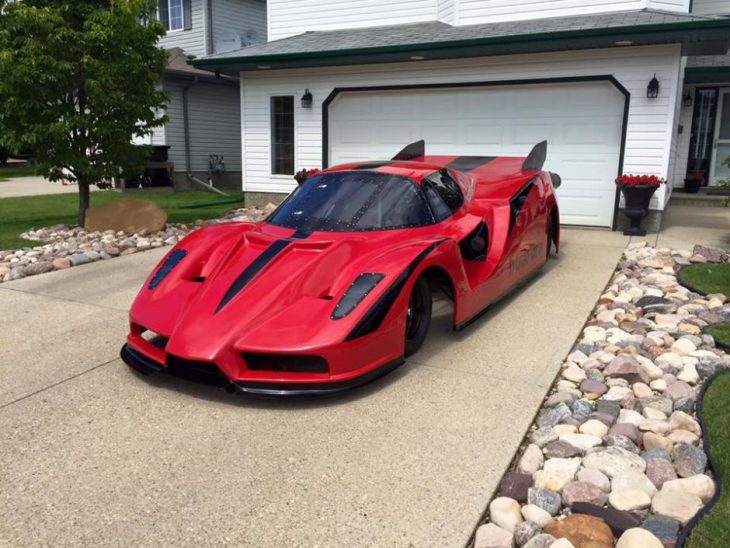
(359,289)
(172,260)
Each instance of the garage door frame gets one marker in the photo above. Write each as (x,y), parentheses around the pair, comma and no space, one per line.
(494,83)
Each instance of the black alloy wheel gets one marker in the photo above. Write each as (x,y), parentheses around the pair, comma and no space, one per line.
(418,316)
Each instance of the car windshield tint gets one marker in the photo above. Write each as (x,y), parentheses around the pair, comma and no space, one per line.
(352,201)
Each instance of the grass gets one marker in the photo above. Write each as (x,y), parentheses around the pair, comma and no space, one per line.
(20,214)
(714,529)
(10,171)
(708,278)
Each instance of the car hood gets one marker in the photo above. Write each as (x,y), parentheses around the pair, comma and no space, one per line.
(257,287)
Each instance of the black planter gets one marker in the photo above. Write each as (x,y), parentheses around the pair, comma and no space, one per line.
(692,186)
(637,200)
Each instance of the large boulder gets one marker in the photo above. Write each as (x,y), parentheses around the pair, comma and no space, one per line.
(129,215)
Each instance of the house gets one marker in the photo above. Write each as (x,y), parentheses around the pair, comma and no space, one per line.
(601,80)
(204,109)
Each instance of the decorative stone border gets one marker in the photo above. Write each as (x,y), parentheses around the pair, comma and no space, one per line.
(614,451)
(73,246)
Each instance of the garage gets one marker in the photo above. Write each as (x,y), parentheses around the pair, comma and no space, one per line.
(582,122)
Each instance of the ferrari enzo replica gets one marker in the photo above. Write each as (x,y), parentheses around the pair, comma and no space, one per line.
(334,288)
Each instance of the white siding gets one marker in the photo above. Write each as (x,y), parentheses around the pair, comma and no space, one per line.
(675,137)
(711,7)
(446,11)
(682,152)
(290,17)
(239,16)
(650,123)
(213,117)
(669,5)
(477,11)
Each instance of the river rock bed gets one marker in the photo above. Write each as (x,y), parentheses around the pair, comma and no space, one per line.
(68,246)
(615,455)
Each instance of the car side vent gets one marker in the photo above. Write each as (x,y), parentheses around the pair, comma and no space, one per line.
(517,202)
(475,246)
(290,363)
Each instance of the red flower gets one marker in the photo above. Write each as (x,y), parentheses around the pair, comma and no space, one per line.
(639,180)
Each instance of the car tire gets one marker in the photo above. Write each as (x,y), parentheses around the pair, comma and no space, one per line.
(549,239)
(418,316)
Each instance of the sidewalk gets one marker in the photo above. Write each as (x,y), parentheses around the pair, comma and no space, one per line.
(34,186)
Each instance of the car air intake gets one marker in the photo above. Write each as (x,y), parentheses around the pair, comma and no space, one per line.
(290,363)
(202,372)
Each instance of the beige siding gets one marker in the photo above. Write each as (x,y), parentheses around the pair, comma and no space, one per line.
(650,123)
(214,123)
(191,41)
(239,16)
(711,7)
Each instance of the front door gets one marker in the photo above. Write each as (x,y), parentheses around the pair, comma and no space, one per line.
(719,170)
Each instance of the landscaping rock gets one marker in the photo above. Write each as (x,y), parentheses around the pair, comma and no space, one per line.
(613,461)
(617,520)
(535,514)
(663,528)
(582,530)
(515,485)
(542,540)
(531,460)
(583,491)
(547,500)
(526,531)
(688,460)
(700,485)
(660,471)
(638,538)
(629,499)
(493,536)
(505,512)
(129,215)
(679,506)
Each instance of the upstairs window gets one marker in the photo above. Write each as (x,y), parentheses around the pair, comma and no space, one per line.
(282,135)
(175,14)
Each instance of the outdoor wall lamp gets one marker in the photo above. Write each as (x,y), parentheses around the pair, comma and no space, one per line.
(687,99)
(652,90)
(307,99)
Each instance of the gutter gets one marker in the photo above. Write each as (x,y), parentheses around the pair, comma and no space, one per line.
(642,31)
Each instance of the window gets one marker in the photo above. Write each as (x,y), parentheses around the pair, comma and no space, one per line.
(282,135)
(443,194)
(174,14)
(354,201)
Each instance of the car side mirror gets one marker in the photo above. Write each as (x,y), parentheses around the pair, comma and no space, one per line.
(556,180)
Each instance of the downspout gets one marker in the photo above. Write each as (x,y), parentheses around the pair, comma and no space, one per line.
(209,27)
(186,131)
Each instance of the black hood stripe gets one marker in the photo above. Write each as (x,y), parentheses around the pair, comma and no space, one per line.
(372,319)
(467,163)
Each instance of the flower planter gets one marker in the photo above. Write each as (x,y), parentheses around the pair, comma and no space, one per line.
(637,200)
(692,186)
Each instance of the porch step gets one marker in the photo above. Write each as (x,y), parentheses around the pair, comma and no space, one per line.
(699,199)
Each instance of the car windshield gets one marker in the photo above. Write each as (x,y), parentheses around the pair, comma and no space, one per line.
(353,201)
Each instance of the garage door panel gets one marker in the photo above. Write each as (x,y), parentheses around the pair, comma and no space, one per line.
(581,121)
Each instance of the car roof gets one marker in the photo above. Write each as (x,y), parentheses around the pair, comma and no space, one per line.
(485,168)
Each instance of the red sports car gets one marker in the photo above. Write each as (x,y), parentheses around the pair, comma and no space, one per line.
(334,288)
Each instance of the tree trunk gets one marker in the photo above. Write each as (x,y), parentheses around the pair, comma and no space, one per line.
(84,199)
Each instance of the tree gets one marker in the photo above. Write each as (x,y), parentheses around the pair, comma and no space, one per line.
(79,80)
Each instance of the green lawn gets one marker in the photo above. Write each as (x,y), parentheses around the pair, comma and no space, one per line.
(19,214)
(714,529)
(709,278)
(10,171)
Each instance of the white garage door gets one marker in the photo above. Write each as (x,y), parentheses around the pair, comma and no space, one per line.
(581,121)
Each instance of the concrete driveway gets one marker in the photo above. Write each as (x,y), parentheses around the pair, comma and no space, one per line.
(35,186)
(92,454)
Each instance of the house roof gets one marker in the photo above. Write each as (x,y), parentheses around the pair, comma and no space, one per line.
(438,40)
(178,67)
